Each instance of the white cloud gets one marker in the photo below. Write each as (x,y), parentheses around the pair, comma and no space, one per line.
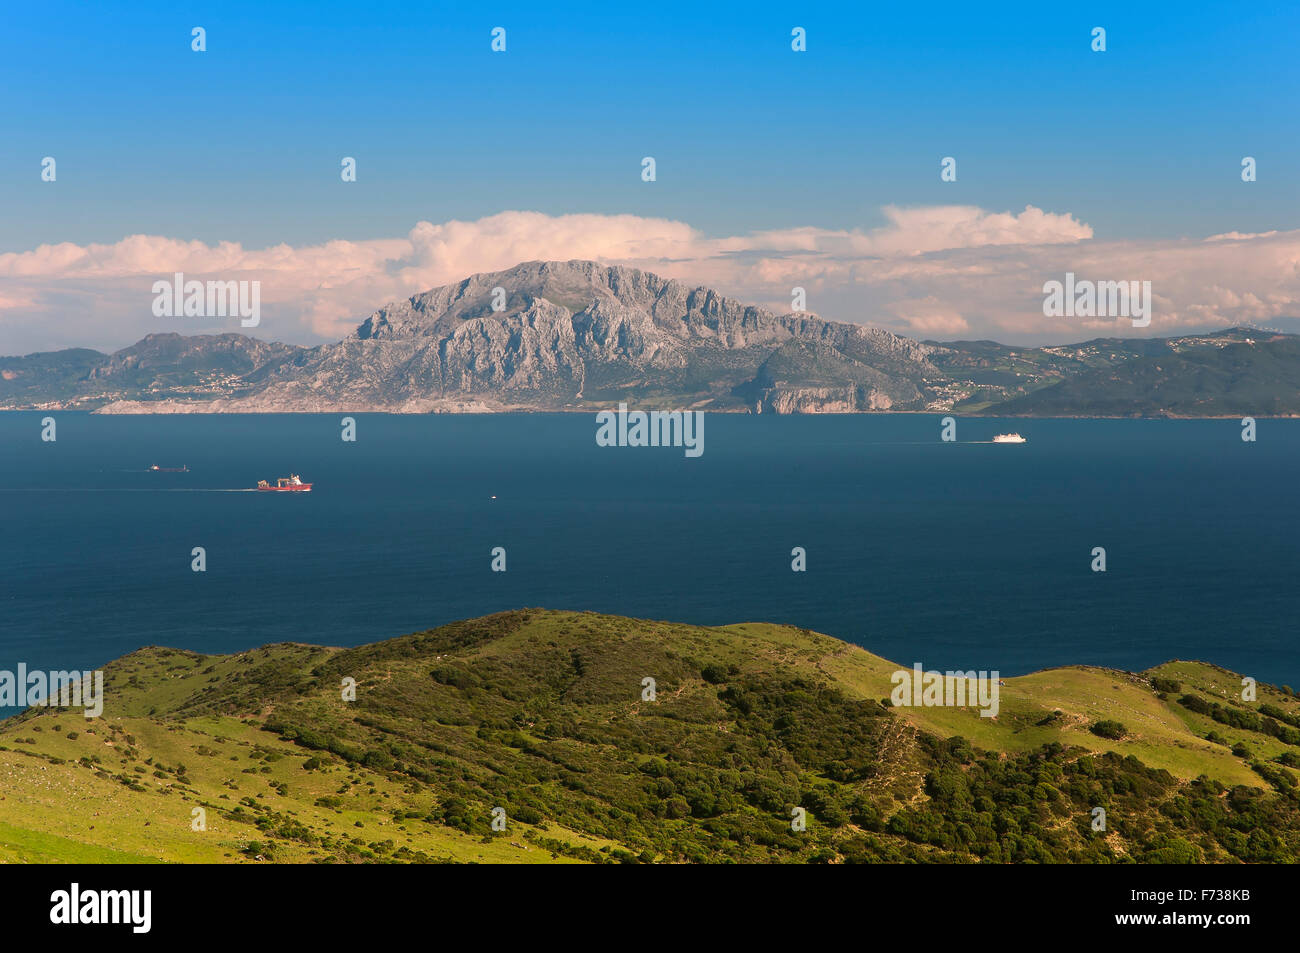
(939,271)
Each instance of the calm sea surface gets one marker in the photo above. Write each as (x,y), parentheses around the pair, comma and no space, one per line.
(966,555)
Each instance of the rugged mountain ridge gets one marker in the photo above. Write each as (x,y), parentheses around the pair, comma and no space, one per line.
(572,334)
(579,335)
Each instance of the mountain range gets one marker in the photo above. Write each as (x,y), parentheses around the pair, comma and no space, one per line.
(579,336)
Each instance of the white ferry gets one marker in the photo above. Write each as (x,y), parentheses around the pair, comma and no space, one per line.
(1008,438)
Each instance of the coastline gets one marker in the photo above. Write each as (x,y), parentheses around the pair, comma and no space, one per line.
(176,409)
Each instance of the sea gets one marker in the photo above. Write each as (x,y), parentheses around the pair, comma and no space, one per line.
(958,555)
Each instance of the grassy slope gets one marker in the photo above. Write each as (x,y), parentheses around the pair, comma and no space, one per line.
(541,712)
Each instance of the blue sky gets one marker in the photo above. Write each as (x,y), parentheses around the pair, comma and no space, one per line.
(782,168)
(243,142)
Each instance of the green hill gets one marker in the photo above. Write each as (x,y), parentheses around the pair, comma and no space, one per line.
(541,713)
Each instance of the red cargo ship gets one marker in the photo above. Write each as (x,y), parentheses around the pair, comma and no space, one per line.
(290,484)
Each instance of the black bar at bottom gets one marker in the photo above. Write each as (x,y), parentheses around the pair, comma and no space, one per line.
(331,903)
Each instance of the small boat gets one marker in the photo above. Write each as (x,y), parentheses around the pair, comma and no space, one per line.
(181,469)
(1008,438)
(290,484)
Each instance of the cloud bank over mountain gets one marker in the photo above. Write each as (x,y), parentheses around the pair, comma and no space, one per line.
(942,272)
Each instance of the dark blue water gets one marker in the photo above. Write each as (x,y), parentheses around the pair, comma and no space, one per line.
(966,556)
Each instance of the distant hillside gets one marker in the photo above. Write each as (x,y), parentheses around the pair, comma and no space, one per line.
(1186,378)
(578,335)
(541,713)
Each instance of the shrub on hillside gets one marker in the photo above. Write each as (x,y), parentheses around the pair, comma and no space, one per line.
(1113,730)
